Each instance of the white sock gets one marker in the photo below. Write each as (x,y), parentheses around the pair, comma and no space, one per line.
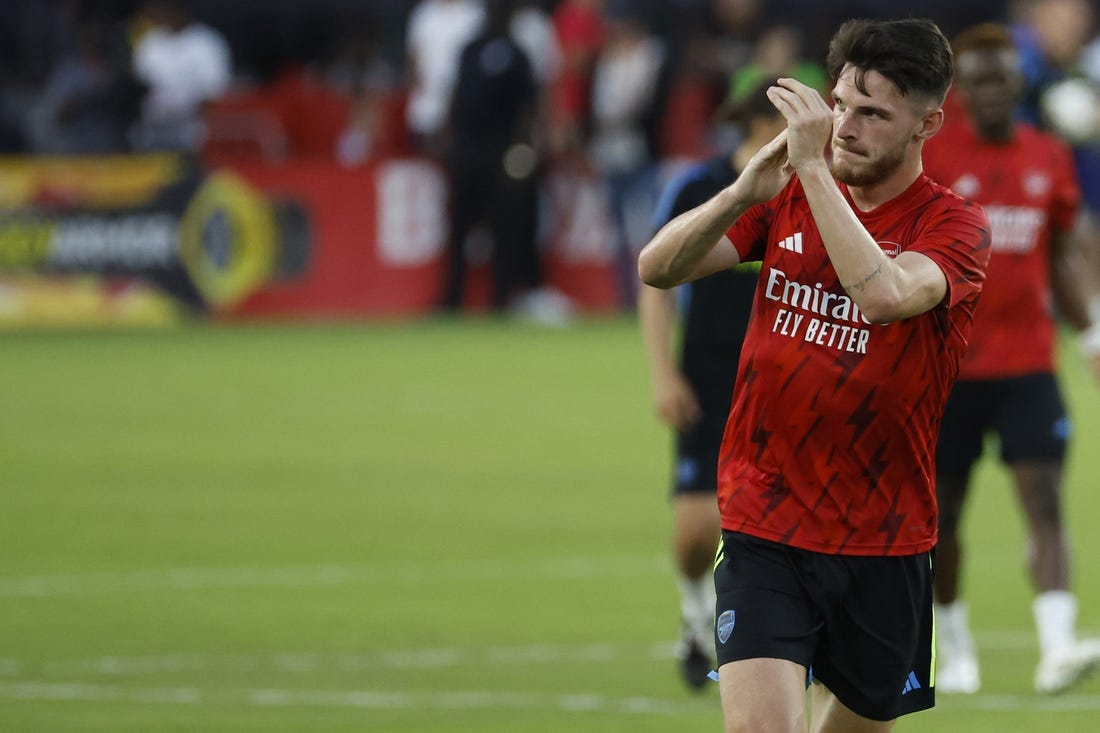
(953,626)
(697,603)
(1055,618)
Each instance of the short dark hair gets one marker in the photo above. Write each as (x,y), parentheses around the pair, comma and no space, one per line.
(912,53)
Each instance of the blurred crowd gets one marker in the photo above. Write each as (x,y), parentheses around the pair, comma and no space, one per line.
(610,87)
(356,79)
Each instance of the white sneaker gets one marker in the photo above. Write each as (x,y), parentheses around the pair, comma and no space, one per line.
(545,307)
(957,673)
(1063,668)
(956,653)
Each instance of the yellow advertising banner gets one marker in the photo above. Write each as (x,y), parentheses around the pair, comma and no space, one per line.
(134,240)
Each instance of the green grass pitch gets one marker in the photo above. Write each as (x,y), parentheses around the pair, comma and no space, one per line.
(455,526)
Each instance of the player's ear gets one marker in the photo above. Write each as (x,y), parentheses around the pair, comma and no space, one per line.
(929,124)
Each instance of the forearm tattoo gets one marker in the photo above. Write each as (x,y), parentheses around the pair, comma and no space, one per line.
(862,284)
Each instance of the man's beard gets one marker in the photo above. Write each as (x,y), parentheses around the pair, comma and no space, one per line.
(868,172)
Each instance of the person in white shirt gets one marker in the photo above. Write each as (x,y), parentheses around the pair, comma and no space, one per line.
(533,30)
(184,64)
(629,84)
(436,33)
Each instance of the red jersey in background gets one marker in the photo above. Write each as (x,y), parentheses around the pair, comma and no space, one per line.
(831,439)
(1028,188)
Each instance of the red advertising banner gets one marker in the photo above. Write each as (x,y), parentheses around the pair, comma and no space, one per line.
(380,234)
(376,237)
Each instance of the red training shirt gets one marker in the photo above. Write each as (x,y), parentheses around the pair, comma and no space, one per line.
(831,438)
(1028,188)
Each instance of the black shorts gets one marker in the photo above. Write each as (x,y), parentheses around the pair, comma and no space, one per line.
(862,626)
(697,448)
(1027,414)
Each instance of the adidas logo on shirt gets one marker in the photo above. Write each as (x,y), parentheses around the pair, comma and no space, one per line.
(792,243)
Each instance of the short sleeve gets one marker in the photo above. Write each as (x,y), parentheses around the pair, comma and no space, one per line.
(958,239)
(749,233)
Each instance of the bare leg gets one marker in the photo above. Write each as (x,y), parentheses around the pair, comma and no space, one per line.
(830,715)
(957,666)
(696,525)
(1039,488)
(951,494)
(1063,660)
(763,696)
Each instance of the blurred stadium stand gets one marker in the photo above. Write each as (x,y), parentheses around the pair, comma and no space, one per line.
(317,98)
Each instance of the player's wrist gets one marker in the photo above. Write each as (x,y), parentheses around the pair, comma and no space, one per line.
(739,196)
(815,172)
(813,165)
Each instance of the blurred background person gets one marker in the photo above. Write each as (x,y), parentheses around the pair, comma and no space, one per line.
(360,73)
(1025,181)
(777,53)
(90,98)
(492,160)
(32,38)
(1054,38)
(580,30)
(184,64)
(436,33)
(734,27)
(533,29)
(692,381)
(629,84)
(1088,153)
(1050,36)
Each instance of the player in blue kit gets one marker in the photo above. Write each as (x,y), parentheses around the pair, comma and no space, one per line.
(692,394)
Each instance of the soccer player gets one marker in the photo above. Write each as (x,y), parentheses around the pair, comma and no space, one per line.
(870,274)
(693,397)
(1025,181)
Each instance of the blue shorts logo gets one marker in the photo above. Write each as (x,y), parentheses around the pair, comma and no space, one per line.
(1062,429)
(687,471)
(725,625)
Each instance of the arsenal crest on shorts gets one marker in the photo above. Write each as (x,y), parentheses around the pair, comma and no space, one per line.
(725,625)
